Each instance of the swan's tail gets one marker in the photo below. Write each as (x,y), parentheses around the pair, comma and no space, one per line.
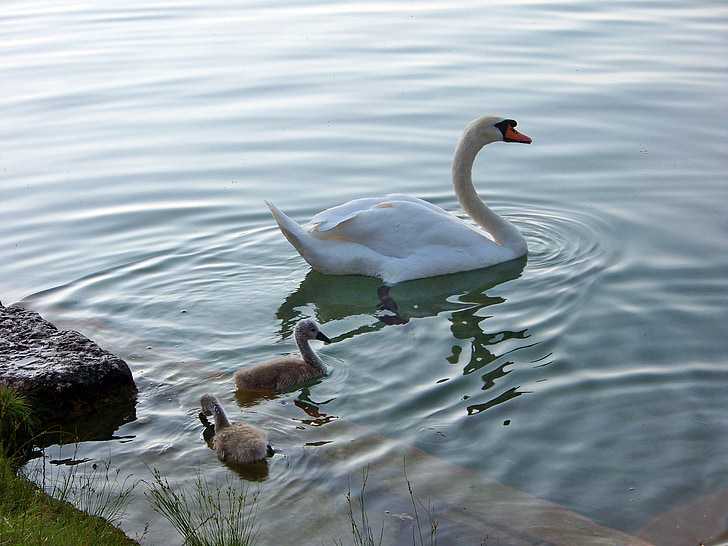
(293,232)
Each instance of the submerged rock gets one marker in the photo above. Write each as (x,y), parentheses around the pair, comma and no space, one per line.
(64,375)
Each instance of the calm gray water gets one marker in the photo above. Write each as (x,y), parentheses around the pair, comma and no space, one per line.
(138,145)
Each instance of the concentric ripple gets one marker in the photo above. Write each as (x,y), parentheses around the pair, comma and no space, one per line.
(566,239)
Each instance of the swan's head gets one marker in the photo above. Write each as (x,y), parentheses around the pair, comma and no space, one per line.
(494,129)
(309,329)
(208,403)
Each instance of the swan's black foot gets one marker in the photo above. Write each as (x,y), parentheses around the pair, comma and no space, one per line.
(387,303)
(270,451)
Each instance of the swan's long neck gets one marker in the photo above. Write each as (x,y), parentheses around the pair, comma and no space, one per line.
(221,418)
(308,354)
(503,232)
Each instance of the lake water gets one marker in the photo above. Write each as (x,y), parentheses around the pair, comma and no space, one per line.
(138,145)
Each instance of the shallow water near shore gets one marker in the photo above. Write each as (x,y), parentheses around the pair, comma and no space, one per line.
(139,143)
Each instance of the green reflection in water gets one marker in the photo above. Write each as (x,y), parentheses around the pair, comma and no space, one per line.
(461,296)
(339,297)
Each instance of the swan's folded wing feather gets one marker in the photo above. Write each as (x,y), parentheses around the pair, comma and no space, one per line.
(399,229)
(416,200)
(330,218)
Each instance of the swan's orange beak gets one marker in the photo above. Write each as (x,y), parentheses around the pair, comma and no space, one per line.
(511,135)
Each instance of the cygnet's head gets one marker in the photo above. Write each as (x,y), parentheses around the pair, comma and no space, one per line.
(208,403)
(309,329)
(494,129)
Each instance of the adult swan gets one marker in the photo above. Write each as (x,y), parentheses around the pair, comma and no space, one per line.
(400,237)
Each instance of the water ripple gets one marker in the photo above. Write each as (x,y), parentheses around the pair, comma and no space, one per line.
(566,239)
(139,141)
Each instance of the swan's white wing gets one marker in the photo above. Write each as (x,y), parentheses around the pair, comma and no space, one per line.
(399,229)
(330,218)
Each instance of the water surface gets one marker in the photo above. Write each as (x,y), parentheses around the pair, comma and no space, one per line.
(138,144)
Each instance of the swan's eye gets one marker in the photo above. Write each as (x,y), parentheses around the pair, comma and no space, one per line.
(505,124)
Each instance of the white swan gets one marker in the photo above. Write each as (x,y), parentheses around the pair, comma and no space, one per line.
(399,237)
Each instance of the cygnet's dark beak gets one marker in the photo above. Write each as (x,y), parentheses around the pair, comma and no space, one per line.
(322,337)
(203,419)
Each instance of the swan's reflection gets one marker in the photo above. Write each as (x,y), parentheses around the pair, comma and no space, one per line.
(303,401)
(462,296)
(339,297)
(311,409)
(511,393)
(317,417)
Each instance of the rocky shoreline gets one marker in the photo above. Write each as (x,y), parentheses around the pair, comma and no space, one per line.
(65,376)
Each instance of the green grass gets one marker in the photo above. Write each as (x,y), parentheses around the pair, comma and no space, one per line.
(96,490)
(364,534)
(207,514)
(16,420)
(41,514)
(30,517)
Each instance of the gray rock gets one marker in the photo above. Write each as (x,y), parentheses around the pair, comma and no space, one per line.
(65,375)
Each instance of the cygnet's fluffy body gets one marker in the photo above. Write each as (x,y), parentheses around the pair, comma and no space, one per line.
(234,442)
(284,373)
